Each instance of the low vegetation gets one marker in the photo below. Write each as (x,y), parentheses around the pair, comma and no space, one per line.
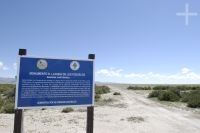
(192,99)
(7,93)
(108,100)
(1,102)
(67,110)
(168,96)
(116,93)
(154,93)
(102,89)
(139,88)
(99,90)
(135,119)
(164,95)
(177,87)
(188,94)
(97,97)
(4,88)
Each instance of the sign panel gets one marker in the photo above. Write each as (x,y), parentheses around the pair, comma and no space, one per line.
(46,82)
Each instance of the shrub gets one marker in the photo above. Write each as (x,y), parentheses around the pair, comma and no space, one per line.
(184,87)
(135,119)
(188,94)
(116,93)
(194,102)
(176,87)
(154,93)
(1,101)
(175,90)
(194,99)
(168,96)
(185,96)
(109,100)
(8,108)
(67,110)
(102,89)
(1,104)
(7,98)
(138,88)
(97,97)
(6,87)
(161,88)
(9,93)
(195,88)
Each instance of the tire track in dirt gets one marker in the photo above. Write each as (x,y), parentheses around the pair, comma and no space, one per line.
(158,118)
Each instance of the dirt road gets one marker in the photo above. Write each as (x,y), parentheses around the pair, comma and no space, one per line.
(142,115)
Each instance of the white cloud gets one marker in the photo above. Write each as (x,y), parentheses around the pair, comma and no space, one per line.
(3,67)
(135,75)
(111,72)
(185,70)
(184,76)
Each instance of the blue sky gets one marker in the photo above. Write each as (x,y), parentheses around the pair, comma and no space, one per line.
(135,41)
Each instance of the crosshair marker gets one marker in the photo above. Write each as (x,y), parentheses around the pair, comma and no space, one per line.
(186,14)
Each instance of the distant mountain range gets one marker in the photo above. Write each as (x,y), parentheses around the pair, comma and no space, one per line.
(7,80)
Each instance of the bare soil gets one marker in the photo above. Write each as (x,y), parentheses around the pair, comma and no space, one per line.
(130,112)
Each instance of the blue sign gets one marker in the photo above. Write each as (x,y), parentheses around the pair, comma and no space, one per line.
(45,82)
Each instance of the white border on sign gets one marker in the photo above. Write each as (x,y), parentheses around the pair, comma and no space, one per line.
(17,84)
(60,106)
(93,82)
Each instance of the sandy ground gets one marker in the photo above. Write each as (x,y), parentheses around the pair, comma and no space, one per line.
(131,112)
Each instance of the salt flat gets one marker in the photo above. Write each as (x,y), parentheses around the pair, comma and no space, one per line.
(130,112)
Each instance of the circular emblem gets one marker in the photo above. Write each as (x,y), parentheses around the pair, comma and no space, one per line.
(74,65)
(42,64)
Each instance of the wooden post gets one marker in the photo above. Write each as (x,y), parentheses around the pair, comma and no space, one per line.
(90,110)
(90,119)
(18,120)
